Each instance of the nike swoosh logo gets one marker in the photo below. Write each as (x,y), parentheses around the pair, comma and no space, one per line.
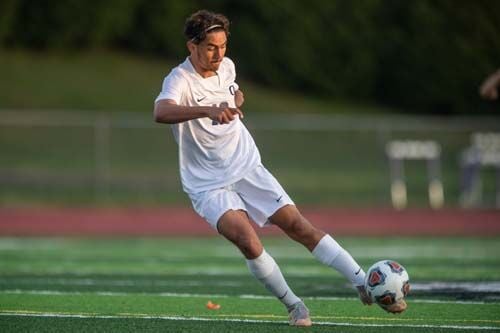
(278,200)
(201,98)
(286,292)
(359,270)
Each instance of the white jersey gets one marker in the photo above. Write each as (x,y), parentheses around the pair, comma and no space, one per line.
(211,155)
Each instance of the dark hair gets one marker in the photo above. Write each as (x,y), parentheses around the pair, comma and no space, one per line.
(202,22)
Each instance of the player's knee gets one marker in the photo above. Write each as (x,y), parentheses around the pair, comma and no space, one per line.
(249,246)
(298,227)
(305,233)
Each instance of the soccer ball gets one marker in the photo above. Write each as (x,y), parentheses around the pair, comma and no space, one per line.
(387,282)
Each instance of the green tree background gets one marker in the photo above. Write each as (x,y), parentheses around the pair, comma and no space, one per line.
(417,55)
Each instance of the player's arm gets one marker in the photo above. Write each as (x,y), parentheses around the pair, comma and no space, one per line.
(169,112)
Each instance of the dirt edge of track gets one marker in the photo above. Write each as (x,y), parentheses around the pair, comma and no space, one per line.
(182,221)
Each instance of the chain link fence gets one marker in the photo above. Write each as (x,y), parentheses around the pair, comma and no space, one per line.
(88,158)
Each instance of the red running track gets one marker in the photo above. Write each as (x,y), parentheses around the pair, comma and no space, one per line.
(184,222)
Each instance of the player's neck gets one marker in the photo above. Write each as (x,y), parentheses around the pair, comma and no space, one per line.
(205,73)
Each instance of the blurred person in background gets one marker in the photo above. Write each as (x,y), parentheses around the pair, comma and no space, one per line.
(221,169)
(489,88)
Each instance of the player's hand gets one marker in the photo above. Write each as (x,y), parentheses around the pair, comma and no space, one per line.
(239,98)
(224,114)
(395,308)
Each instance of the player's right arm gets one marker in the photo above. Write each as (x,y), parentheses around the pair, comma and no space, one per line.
(169,112)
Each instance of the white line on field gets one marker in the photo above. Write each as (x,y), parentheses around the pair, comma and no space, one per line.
(116,282)
(254,321)
(113,293)
(244,296)
(483,286)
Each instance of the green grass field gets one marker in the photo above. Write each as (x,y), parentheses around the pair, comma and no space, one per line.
(163,284)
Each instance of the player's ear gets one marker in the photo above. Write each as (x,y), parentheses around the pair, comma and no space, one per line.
(191,46)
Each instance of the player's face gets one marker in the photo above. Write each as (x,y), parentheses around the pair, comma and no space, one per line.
(208,54)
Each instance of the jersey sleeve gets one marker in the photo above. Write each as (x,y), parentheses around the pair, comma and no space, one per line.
(174,87)
(231,73)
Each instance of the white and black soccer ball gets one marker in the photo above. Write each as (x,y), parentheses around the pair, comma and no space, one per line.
(387,282)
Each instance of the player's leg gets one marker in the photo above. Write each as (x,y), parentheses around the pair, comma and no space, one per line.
(235,226)
(321,245)
(268,203)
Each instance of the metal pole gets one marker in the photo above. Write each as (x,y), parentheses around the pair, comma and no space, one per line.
(102,144)
(497,197)
(398,185)
(436,192)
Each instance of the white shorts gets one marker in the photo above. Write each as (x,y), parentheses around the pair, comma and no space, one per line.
(259,194)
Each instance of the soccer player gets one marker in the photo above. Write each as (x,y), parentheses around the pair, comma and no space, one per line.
(221,168)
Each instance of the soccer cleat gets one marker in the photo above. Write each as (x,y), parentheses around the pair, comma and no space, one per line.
(396,308)
(298,315)
(363,295)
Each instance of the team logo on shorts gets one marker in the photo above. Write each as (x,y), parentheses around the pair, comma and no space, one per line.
(376,277)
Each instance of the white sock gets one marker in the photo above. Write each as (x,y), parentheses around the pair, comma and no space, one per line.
(265,269)
(330,253)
